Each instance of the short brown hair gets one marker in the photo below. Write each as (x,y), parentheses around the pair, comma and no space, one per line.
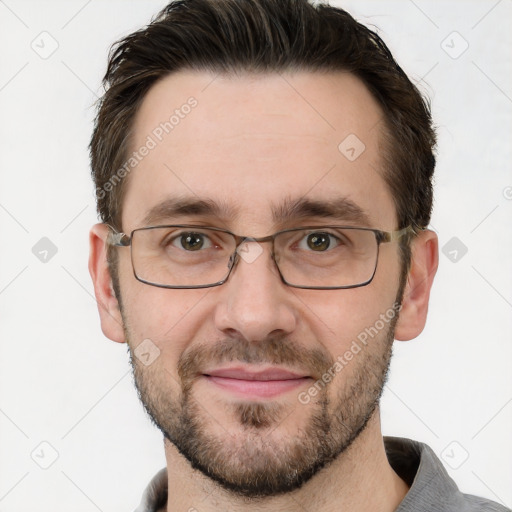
(265,36)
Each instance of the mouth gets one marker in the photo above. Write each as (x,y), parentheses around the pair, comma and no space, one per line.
(255,382)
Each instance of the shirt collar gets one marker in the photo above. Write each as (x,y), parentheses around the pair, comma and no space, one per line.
(416,463)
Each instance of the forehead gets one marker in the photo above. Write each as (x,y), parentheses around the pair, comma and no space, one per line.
(254,142)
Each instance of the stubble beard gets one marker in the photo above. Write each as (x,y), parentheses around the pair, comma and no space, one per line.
(256,462)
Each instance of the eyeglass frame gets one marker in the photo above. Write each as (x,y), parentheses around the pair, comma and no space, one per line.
(120,239)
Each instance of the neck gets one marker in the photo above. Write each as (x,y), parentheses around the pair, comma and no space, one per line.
(360,479)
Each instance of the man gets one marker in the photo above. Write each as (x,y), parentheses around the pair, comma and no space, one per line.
(263,174)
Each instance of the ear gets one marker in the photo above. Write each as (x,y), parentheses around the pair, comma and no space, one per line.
(424,262)
(108,307)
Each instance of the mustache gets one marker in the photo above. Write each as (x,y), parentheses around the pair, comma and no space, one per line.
(275,350)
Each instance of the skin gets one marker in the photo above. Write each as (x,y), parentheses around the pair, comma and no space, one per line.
(252,142)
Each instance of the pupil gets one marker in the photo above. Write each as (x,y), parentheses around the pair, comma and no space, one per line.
(318,241)
(192,241)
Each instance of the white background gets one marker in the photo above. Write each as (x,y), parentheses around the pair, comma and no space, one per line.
(63,383)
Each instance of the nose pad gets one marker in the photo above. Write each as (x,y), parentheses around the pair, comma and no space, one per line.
(233,260)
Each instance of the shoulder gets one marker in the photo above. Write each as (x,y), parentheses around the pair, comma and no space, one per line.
(430,486)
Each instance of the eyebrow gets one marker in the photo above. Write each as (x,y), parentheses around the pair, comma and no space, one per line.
(185,206)
(340,209)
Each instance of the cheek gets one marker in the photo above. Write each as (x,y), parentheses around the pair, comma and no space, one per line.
(169,318)
(337,318)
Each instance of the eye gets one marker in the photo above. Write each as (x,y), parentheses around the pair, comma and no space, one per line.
(318,242)
(192,241)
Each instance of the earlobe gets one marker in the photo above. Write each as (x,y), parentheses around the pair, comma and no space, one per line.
(108,306)
(424,262)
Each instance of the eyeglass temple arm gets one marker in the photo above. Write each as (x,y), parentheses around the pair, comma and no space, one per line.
(396,235)
(118,239)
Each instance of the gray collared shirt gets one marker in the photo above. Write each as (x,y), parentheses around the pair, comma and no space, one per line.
(431,489)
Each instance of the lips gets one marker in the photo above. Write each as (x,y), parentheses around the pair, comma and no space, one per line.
(255,382)
(246,374)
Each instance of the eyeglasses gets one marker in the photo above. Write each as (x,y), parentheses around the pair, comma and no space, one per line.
(313,257)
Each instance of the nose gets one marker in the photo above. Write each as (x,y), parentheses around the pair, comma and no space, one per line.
(254,303)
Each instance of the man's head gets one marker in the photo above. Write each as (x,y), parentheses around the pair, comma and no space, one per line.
(258,117)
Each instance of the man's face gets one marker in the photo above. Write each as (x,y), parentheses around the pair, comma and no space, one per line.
(237,361)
